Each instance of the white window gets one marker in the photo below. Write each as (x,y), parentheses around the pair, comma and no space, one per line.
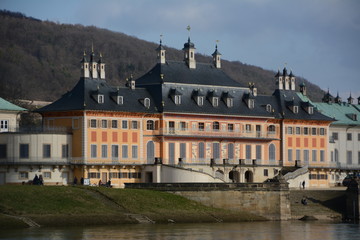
(200,100)
(182,126)
(229,102)
(93,123)
(46,151)
(124,124)
(349,157)
(47,175)
(114,151)
(306,155)
(93,151)
(215,101)
(298,154)
(120,100)
(23,175)
(150,125)
(251,103)
(322,131)
(306,131)
(65,151)
(290,155)
(24,150)
(114,124)
(134,124)
(104,123)
(134,151)
(272,152)
(124,149)
(177,99)
(4,125)
(314,155)
(296,109)
(268,108)
(104,151)
(322,155)
(248,151)
(290,130)
(311,110)
(231,151)
(100,98)
(147,102)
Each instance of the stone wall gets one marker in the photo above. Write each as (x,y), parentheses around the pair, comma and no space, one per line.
(270,200)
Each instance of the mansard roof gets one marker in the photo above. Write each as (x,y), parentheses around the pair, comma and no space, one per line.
(343,113)
(84,97)
(288,99)
(189,103)
(179,72)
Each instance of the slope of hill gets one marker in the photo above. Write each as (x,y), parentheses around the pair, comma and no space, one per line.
(40,60)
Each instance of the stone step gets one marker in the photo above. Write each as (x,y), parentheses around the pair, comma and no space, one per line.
(140,218)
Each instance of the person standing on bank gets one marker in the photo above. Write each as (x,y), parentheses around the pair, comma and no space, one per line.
(303,184)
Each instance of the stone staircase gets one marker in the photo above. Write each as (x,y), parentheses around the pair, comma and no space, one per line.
(321,204)
(139,218)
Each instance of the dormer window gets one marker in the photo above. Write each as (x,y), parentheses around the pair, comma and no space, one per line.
(268,108)
(215,101)
(200,100)
(175,96)
(100,98)
(120,100)
(147,102)
(251,103)
(177,99)
(311,110)
(296,109)
(229,102)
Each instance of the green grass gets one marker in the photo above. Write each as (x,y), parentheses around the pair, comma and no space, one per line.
(25,200)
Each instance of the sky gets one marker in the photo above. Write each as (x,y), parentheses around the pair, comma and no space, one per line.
(318,40)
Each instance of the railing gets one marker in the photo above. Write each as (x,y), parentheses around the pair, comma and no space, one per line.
(35,161)
(37,129)
(217,132)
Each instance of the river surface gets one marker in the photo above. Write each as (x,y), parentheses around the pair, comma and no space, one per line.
(214,231)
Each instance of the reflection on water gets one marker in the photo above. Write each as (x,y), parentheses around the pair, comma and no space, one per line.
(253,230)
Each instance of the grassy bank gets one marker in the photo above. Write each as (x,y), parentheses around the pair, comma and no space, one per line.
(56,205)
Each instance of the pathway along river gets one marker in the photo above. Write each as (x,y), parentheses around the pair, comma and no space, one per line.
(288,230)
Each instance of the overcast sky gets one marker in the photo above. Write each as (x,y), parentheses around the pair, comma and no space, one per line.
(319,40)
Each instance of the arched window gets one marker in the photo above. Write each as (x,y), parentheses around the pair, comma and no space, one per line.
(150,125)
(272,152)
(271,129)
(150,152)
(216,126)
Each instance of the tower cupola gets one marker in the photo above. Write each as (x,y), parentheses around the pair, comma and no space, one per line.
(350,99)
(161,53)
(216,58)
(93,64)
(189,54)
(85,67)
(101,67)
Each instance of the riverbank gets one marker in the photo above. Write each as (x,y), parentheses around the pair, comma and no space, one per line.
(62,206)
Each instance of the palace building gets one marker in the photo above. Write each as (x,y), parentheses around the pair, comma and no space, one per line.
(184,121)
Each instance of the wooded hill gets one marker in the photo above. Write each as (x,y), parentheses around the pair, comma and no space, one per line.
(40,60)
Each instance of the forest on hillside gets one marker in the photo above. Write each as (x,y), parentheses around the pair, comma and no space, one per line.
(40,60)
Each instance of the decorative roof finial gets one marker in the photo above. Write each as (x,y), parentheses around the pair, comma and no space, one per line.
(188,28)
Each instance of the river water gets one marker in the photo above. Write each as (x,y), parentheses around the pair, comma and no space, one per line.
(215,231)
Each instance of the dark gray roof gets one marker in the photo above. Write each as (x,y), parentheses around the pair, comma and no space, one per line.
(84,97)
(288,98)
(179,72)
(189,105)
